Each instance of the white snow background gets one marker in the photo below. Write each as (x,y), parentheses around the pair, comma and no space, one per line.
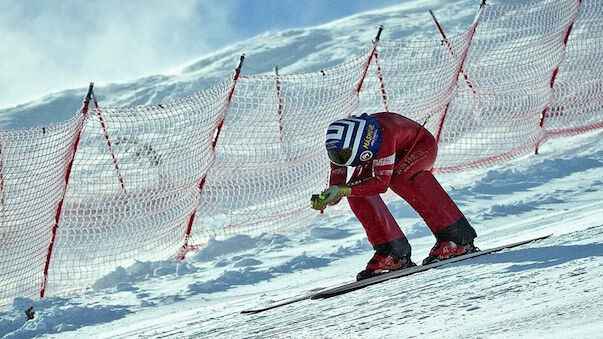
(551,288)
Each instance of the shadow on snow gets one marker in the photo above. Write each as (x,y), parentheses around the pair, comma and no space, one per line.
(540,257)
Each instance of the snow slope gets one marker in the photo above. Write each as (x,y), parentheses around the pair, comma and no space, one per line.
(551,288)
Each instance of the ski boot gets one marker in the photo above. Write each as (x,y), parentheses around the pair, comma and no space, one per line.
(447,249)
(391,256)
(455,240)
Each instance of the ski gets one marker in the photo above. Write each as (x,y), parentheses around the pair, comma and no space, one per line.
(279,303)
(353,286)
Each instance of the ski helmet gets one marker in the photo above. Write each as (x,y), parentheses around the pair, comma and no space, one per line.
(354,140)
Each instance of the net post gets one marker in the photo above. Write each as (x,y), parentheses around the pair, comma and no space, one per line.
(556,70)
(235,78)
(2,198)
(67,174)
(87,98)
(109,143)
(184,249)
(379,69)
(370,58)
(447,42)
(460,69)
(381,82)
(280,102)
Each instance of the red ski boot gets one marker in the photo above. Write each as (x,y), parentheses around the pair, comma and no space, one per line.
(447,249)
(452,241)
(392,256)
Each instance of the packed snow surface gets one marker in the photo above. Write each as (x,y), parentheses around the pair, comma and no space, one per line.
(552,287)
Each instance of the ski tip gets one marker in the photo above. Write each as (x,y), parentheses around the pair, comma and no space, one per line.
(543,237)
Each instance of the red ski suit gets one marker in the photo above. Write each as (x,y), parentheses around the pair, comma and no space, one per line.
(406,173)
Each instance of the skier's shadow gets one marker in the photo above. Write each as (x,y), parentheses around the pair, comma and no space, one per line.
(539,257)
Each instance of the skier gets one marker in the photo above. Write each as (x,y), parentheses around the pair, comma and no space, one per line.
(392,151)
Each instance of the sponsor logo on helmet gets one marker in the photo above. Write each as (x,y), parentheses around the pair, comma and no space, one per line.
(369,136)
(366,155)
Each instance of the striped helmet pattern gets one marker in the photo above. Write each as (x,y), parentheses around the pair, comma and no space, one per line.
(360,134)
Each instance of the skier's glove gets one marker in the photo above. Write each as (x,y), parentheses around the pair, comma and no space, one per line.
(330,196)
(333,194)
(317,203)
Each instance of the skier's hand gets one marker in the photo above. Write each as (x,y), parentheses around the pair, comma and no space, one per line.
(316,203)
(329,197)
(333,194)
(334,202)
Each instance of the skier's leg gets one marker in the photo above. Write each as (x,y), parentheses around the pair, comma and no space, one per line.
(381,228)
(377,220)
(392,250)
(414,182)
(443,217)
